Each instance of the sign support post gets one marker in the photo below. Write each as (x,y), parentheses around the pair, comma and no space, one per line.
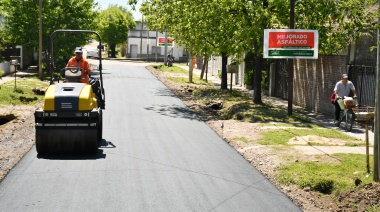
(290,65)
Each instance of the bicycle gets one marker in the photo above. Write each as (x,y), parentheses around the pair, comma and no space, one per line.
(346,114)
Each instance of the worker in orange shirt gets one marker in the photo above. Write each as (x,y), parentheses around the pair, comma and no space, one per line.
(194,61)
(79,61)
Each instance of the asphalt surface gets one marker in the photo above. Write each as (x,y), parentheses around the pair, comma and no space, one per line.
(155,156)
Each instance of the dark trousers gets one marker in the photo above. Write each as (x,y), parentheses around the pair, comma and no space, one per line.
(337,110)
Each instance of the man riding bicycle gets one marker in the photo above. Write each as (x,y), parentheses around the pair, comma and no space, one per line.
(342,89)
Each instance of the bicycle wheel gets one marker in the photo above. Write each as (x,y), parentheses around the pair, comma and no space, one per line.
(349,120)
(341,118)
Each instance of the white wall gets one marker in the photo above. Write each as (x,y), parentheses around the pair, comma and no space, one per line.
(6,67)
(215,64)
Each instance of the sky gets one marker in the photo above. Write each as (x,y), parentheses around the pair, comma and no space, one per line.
(105,3)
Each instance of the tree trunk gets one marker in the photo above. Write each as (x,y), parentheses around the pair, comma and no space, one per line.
(204,67)
(224,71)
(257,75)
(206,70)
(203,70)
(113,50)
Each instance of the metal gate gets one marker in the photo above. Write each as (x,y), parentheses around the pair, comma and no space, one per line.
(281,82)
(364,79)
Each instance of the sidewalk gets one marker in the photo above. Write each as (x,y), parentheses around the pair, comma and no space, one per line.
(320,119)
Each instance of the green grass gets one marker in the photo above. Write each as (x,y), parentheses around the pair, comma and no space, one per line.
(181,80)
(281,136)
(243,139)
(278,124)
(172,69)
(327,177)
(45,75)
(23,93)
(374,208)
(237,105)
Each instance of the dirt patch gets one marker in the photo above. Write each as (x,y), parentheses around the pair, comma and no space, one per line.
(17,136)
(266,159)
(6,118)
(313,139)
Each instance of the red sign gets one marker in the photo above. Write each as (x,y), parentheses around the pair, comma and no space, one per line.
(290,43)
(161,41)
(291,39)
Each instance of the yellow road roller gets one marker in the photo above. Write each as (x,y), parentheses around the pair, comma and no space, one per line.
(71,119)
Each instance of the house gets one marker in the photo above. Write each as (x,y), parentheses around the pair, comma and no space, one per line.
(144,44)
(11,53)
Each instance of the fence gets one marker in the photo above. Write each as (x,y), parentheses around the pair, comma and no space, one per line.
(314,81)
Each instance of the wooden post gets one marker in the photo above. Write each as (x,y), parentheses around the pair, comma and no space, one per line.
(231,81)
(367,146)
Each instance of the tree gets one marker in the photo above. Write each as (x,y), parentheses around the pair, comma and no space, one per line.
(193,23)
(2,36)
(338,22)
(114,24)
(2,44)
(22,23)
(229,27)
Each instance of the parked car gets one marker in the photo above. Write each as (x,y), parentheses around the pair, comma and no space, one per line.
(94,53)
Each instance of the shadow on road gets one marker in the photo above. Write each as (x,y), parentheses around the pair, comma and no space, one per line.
(99,155)
(165,92)
(174,111)
(106,144)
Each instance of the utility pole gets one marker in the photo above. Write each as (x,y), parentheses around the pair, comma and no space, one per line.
(290,65)
(40,43)
(155,54)
(190,56)
(377,113)
(147,44)
(141,37)
(166,47)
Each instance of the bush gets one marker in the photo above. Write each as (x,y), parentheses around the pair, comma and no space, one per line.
(248,77)
(264,81)
(324,186)
(1,73)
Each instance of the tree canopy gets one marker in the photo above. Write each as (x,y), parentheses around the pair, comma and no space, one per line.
(113,25)
(22,24)
(230,27)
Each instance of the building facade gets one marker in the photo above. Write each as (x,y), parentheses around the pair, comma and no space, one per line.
(145,44)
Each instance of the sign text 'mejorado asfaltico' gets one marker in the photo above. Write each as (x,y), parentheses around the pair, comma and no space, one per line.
(290,43)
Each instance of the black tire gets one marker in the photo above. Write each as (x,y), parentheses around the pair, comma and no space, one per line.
(349,120)
(100,128)
(342,117)
(39,146)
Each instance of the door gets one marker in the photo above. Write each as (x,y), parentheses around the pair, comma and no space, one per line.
(133,51)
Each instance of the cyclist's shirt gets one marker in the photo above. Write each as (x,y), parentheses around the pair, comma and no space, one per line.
(344,89)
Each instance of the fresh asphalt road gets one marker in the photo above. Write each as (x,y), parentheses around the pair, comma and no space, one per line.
(156,156)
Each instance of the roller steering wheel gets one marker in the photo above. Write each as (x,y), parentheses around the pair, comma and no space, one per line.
(75,69)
